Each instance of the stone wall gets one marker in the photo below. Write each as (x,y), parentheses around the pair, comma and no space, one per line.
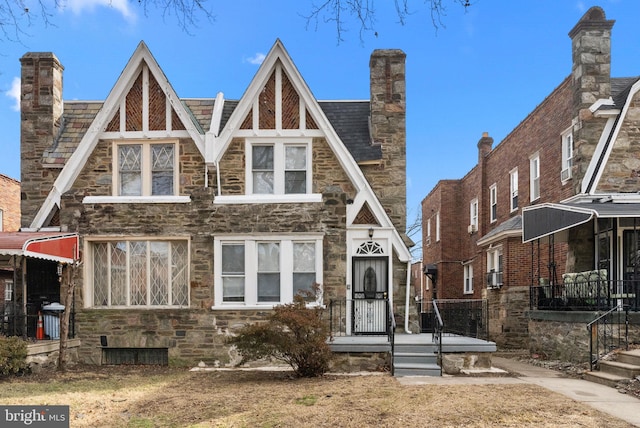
(563,336)
(507,316)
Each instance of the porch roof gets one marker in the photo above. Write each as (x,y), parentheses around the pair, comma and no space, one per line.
(54,246)
(543,220)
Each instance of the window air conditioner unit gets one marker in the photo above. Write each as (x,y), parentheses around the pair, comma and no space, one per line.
(565,174)
(472,228)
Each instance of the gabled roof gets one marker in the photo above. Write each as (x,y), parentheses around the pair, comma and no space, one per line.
(626,89)
(100,121)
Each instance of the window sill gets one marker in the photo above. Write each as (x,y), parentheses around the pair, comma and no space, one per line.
(267,199)
(136,200)
(265,307)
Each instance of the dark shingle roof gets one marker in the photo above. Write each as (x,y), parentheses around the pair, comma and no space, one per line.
(350,119)
(620,88)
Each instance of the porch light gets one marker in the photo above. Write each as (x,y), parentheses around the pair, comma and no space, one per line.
(371,233)
(59,270)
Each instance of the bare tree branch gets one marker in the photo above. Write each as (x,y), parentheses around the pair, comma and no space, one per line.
(363,12)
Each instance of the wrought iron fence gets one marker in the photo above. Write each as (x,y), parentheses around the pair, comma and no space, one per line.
(14,322)
(365,316)
(464,317)
(608,332)
(586,295)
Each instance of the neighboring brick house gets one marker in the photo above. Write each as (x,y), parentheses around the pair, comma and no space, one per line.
(197,216)
(9,204)
(579,146)
(9,222)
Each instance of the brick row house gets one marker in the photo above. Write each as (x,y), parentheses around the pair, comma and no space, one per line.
(555,200)
(9,222)
(197,216)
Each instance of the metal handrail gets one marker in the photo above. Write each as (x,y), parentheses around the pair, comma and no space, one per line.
(607,339)
(439,327)
(391,331)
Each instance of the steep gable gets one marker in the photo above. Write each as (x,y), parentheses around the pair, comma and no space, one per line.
(142,104)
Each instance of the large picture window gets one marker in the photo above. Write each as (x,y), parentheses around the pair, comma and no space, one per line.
(278,168)
(137,273)
(145,169)
(255,271)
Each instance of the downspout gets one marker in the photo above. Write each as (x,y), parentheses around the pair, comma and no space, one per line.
(406,309)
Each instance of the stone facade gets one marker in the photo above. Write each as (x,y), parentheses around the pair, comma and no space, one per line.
(92,206)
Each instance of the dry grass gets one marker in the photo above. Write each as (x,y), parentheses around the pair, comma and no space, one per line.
(162,397)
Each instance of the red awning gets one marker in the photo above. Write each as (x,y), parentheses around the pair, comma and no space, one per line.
(54,246)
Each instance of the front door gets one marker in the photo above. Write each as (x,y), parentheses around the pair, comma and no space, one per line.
(370,286)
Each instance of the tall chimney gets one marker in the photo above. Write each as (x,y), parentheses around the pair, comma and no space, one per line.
(484,146)
(388,123)
(41,111)
(591,52)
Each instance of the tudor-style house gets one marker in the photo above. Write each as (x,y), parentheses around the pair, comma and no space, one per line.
(196,216)
(552,212)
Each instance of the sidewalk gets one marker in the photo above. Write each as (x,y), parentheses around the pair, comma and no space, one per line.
(600,397)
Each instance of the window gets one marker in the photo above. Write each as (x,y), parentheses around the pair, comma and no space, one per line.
(137,273)
(1,220)
(428,231)
(513,189)
(534,174)
(146,169)
(567,155)
(468,279)
(493,203)
(438,226)
(265,272)
(494,268)
(278,168)
(8,291)
(473,215)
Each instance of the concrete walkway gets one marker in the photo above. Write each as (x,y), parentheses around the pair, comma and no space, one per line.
(600,397)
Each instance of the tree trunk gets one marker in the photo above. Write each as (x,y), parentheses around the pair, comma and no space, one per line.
(68,284)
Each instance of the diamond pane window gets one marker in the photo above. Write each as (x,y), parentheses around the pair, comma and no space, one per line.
(140,273)
(130,168)
(162,169)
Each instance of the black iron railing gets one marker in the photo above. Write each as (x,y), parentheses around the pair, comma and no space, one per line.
(391,331)
(463,317)
(608,332)
(13,322)
(438,329)
(586,295)
(367,317)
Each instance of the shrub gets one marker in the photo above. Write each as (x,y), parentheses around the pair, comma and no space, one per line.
(293,333)
(13,356)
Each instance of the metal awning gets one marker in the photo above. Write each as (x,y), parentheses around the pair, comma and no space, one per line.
(54,246)
(543,220)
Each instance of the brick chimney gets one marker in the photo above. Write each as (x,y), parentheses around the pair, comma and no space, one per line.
(388,128)
(591,71)
(484,146)
(41,111)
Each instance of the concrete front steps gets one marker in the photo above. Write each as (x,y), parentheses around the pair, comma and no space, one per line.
(625,367)
(417,359)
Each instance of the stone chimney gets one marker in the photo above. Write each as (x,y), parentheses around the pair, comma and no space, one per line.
(41,111)
(388,128)
(484,146)
(591,72)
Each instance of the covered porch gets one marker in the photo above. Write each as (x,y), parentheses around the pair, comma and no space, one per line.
(31,266)
(603,239)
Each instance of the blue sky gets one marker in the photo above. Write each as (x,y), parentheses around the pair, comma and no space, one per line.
(484,72)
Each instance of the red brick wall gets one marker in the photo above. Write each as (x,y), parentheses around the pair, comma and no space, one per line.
(9,204)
